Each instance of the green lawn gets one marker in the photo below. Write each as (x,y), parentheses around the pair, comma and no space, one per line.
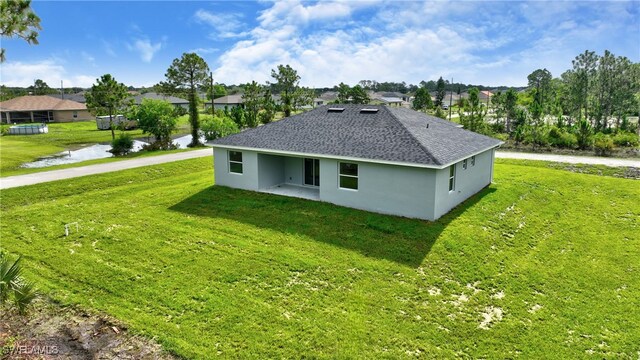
(18,149)
(542,264)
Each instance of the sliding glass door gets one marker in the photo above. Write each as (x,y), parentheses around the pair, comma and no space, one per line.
(312,172)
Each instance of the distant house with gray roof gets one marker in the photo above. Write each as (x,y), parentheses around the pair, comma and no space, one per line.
(382,159)
(77,97)
(391,98)
(175,101)
(228,102)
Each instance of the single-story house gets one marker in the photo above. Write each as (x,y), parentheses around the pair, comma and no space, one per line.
(77,97)
(42,108)
(175,101)
(228,102)
(329,96)
(377,158)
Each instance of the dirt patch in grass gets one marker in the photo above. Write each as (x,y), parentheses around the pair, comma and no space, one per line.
(53,332)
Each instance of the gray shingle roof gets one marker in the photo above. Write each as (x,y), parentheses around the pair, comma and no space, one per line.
(390,134)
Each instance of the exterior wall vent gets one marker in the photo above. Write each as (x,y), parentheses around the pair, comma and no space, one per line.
(368,111)
(335,109)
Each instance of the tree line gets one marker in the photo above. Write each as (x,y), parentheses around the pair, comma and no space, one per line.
(587,106)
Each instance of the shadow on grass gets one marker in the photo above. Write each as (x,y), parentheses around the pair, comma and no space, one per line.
(401,240)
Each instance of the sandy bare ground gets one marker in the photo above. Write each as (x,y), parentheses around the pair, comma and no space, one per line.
(53,332)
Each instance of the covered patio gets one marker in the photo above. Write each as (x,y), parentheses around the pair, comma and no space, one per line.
(299,191)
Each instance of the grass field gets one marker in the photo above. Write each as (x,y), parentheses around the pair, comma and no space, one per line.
(542,264)
(18,149)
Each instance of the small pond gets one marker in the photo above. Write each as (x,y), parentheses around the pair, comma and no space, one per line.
(98,151)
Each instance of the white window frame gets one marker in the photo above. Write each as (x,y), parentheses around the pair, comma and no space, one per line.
(75,114)
(229,161)
(464,164)
(351,176)
(473,160)
(452,178)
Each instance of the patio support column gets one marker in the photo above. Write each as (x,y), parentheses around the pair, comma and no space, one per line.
(31,115)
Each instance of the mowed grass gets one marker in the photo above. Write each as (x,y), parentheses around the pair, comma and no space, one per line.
(16,150)
(542,264)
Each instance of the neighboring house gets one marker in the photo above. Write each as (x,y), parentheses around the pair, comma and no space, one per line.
(42,108)
(485,95)
(391,98)
(228,102)
(376,158)
(175,101)
(329,96)
(78,97)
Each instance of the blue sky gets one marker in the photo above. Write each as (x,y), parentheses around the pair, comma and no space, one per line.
(489,43)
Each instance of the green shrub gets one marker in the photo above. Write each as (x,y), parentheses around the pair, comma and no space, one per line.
(561,138)
(121,145)
(501,136)
(539,135)
(218,126)
(626,139)
(520,134)
(602,144)
(166,144)
(179,111)
(157,117)
(584,134)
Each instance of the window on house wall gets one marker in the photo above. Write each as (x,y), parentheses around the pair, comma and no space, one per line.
(473,160)
(452,177)
(348,176)
(464,164)
(235,162)
(75,114)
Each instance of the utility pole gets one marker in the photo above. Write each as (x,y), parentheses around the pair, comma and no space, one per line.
(450,98)
(213,109)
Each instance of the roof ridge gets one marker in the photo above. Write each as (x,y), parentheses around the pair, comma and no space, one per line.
(413,137)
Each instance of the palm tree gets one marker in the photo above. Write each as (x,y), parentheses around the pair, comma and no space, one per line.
(13,286)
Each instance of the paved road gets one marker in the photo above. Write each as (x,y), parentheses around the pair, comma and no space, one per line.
(46,176)
(592,160)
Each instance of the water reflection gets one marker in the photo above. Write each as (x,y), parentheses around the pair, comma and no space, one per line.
(98,151)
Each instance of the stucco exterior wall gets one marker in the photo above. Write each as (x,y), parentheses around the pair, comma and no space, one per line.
(293,170)
(387,189)
(67,115)
(467,182)
(248,180)
(270,170)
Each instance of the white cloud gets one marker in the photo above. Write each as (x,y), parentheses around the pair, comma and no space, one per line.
(225,25)
(204,51)
(145,48)
(493,43)
(23,74)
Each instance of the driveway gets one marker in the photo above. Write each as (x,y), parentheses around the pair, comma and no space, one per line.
(46,176)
